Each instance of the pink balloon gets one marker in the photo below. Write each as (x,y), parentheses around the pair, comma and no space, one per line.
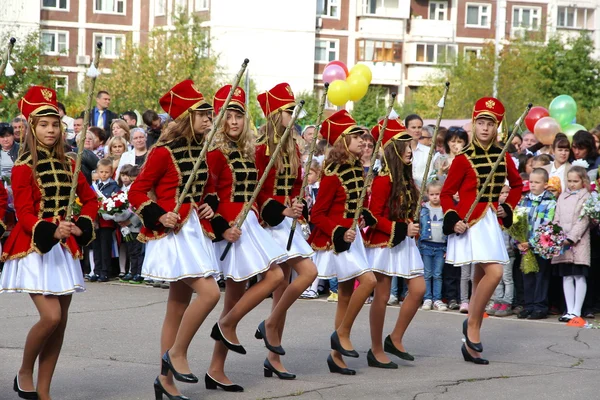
(333,73)
(546,129)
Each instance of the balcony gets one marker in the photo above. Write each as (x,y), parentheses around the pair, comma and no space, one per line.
(380,28)
(385,72)
(419,75)
(431,30)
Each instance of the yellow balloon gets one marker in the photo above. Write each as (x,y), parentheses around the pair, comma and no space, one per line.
(339,92)
(362,69)
(358,86)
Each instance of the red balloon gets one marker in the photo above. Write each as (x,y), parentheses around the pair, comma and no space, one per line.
(535,114)
(341,64)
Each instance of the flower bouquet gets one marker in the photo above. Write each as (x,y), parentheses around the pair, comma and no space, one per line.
(518,231)
(591,208)
(77,207)
(115,208)
(547,240)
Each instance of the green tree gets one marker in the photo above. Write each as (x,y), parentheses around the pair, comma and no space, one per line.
(144,72)
(31,68)
(371,108)
(311,107)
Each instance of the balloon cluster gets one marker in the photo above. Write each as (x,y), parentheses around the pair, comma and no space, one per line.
(346,85)
(560,117)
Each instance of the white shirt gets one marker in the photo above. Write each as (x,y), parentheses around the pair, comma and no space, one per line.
(560,172)
(68,121)
(419,162)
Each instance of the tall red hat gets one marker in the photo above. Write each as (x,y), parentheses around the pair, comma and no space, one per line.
(395,130)
(38,101)
(278,98)
(183,97)
(237,103)
(489,107)
(339,124)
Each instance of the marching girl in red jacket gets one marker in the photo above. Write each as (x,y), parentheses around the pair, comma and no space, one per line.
(479,240)
(43,250)
(234,174)
(340,251)
(392,248)
(179,246)
(278,206)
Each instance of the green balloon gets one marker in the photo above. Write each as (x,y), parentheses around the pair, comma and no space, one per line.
(563,109)
(571,129)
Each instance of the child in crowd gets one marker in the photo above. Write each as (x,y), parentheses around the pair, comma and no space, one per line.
(130,230)
(554,186)
(503,296)
(105,187)
(432,245)
(310,195)
(541,161)
(540,205)
(574,263)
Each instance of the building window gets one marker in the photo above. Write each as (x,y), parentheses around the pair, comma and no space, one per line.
(160,8)
(55,42)
(200,5)
(472,53)
(381,7)
(436,53)
(326,51)
(379,51)
(55,5)
(575,18)
(61,85)
(111,44)
(479,15)
(527,18)
(438,10)
(328,8)
(110,6)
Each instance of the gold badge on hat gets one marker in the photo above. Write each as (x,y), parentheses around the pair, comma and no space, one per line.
(47,94)
(237,92)
(490,104)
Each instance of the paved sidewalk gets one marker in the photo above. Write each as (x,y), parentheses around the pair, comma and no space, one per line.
(111,352)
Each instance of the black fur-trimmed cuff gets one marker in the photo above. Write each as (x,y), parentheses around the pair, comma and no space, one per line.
(87,231)
(305,209)
(272,212)
(368,217)
(212,200)
(451,218)
(43,236)
(398,233)
(339,244)
(151,214)
(219,226)
(508,220)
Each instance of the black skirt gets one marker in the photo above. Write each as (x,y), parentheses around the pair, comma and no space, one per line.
(568,269)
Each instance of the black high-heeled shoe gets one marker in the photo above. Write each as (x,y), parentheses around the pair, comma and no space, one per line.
(217,335)
(168,366)
(337,346)
(213,384)
(23,394)
(478,347)
(373,362)
(159,390)
(389,347)
(336,369)
(261,333)
(270,370)
(469,358)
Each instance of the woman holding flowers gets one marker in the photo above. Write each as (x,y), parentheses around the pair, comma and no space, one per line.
(573,265)
(42,253)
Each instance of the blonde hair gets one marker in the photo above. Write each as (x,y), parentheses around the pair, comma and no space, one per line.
(273,129)
(582,174)
(31,143)
(123,125)
(245,142)
(116,139)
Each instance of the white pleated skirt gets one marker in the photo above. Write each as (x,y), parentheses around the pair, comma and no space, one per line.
(253,253)
(403,260)
(55,273)
(481,243)
(281,233)
(346,265)
(187,254)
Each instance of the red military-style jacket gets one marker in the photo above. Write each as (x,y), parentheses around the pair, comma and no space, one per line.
(280,188)
(41,199)
(234,178)
(3,207)
(166,172)
(335,205)
(385,232)
(467,174)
